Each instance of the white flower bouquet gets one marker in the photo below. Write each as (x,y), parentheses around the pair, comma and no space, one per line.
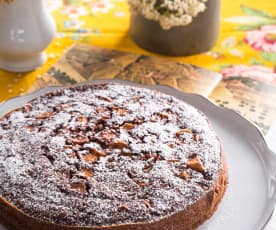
(168,13)
(175,27)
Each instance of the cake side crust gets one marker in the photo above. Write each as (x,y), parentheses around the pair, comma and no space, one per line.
(205,201)
(15,219)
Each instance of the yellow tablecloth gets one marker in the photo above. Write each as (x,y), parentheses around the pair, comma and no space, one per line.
(247,44)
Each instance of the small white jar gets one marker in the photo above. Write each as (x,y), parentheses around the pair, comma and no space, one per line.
(26,29)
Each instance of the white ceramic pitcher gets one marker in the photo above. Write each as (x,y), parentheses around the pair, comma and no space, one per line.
(26,29)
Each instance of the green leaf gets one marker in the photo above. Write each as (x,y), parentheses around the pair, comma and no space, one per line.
(223,66)
(255,12)
(258,25)
(269,56)
(249,27)
(255,61)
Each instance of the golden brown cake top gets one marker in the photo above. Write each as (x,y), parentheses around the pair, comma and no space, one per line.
(105,154)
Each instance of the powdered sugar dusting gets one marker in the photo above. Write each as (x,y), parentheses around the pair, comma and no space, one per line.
(106,154)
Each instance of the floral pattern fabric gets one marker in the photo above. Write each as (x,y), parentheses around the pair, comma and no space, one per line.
(246,47)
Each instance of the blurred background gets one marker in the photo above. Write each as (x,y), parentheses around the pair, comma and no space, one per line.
(105,23)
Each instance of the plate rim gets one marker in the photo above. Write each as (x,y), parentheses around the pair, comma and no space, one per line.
(177,93)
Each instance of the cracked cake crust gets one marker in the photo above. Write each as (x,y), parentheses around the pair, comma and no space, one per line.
(109,156)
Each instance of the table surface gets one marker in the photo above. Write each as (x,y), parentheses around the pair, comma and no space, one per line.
(247,42)
(246,47)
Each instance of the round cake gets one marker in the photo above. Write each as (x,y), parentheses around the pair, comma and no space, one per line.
(108,156)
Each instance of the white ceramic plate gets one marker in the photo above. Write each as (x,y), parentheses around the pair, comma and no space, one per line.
(250,198)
